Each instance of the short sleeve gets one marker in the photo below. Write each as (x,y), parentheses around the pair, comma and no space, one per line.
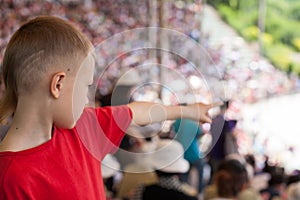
(102,129)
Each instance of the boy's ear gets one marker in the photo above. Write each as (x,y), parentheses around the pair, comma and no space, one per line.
(57,83)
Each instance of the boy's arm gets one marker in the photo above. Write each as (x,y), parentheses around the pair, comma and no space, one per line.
(144,113)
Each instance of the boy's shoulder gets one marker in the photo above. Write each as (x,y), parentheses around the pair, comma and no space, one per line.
(45,174)
(15,176)
(45,167)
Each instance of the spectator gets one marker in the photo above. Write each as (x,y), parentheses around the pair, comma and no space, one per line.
(223,142)
(276,187)
(168,163)
(110,168)
(190,144)
(231,182)
(135,163)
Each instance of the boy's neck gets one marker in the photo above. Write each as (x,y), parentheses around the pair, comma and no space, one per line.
(31,126)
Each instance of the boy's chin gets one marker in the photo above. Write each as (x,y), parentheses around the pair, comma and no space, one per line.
(66,126)
(72,125)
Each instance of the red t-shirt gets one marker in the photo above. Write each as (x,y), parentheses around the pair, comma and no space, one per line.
(67,166)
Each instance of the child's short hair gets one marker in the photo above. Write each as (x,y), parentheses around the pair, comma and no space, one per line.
(43,45)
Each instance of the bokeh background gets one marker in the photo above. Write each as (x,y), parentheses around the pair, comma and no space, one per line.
(249,49)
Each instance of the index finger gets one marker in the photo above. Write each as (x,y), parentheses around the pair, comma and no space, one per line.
(216,104)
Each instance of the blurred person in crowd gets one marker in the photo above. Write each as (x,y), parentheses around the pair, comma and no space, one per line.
(188,133)
(276,187)
(258,179)
(169,163)
(135,164)
(272,168)
(110,168)
(230,145)
(249,192)
(231,182)
(250,159)
(223,141)
(135,174)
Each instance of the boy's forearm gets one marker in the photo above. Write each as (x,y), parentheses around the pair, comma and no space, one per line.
(144,113)
(147,112)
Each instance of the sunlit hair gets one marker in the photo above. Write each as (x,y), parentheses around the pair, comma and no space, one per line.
(41,46)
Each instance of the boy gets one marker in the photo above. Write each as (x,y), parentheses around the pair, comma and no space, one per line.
(47,69)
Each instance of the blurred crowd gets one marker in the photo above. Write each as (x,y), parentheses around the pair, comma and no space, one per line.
(156,164)
(245,80)
(223,64)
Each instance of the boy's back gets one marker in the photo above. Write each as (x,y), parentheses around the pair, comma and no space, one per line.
(62,168)
(44,171)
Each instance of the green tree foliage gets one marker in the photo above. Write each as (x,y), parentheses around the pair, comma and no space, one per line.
(282,19)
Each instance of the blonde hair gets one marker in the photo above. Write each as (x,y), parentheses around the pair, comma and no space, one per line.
(43,44)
